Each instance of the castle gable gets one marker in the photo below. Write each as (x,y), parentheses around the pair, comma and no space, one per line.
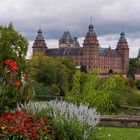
(108,52)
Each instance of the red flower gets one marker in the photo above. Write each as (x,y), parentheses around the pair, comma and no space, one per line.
(13,129)
(8,62)
(0,125)
(23,130)
(16,113)
(12,65)
(14,68)
(17,84)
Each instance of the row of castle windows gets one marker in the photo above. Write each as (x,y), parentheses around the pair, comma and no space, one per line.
(99,66)
(100,58)
(102,62)
(102,67)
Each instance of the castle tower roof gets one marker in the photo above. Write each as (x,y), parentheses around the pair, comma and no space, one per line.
(122,38)
(39,45)
(76,42)
(91,31)
(122,42)
(91,38)
(66,38)
(39,35)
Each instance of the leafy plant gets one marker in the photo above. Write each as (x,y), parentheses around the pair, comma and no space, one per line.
(96,92)
(21,125)
(15,85)
(54,73)
(71,121)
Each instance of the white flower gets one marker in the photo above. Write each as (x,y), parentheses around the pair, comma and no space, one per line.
(83,114)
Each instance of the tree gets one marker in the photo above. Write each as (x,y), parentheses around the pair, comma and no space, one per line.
(69,64)
(14,71)
(52,72)
(134,66)
(96,92)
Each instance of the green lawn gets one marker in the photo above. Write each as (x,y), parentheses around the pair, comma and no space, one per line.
(110,133)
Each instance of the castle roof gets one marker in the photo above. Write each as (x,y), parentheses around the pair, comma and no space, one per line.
(39,35)
(66,38)
(65,51)
(78,51)
(91,31)
(75,42)
(122,38)
(105,51)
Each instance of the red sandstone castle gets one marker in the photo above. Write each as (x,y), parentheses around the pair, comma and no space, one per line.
(91,55)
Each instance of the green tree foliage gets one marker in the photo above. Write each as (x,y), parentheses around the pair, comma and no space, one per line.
(118,91)
(15,83)
(69,64)
(42,92)
(134,66)
(96,92)
(52,72)
(76,83)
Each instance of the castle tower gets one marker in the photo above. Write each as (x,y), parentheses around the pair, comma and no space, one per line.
(39,45)
(76,42)
(66,41)
(90,49)
(91,38)
(123,49)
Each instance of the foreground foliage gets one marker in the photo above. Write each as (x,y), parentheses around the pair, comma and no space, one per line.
(21,125)
(104,93)
(71,122)
(15,86)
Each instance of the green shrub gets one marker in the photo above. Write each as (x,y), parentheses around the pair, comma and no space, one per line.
(96,92)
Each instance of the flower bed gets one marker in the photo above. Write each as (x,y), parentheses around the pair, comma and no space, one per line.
(21,125)
(71,121)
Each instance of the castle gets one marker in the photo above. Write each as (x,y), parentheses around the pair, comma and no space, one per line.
(91,55)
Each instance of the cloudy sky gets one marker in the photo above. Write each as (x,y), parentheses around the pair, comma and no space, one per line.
(55,16)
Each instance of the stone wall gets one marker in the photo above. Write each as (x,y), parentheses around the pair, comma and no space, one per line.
(119,121)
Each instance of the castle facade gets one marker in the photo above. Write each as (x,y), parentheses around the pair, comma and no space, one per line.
(90,55)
